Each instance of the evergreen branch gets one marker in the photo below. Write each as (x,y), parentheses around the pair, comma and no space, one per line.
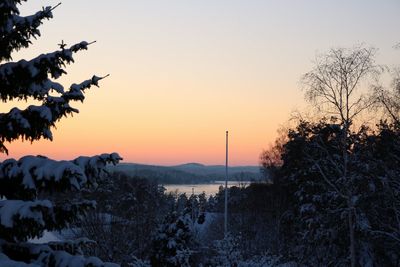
(17,31)
(30,175)
(40,214)
(326,179)
(43,254)
(23,79)
(389,235)
(35,122)
(54,7)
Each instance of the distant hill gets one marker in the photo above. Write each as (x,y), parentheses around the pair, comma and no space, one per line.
(188,173)
(219,170)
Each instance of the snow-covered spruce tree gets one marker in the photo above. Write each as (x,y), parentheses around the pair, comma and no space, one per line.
(172,242)
(228,252)
(23,212)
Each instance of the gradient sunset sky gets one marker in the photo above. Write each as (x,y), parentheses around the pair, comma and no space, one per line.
(183,72)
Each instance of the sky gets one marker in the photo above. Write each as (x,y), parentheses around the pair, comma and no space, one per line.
(182,72)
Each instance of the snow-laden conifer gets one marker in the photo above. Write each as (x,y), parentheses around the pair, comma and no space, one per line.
(26,209)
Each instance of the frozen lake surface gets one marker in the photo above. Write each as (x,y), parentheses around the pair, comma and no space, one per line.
(208,188)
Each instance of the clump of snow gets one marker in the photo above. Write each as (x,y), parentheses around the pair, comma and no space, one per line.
(11,209)
(15,115)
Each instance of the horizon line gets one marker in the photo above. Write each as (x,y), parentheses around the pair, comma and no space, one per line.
(179,164)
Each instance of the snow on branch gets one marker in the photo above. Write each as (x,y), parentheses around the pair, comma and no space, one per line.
(16,31)
(35,122)
(9,209)
(76,90)
(94,166)
(43,254)
(30,175)
(41,215)
(23,79)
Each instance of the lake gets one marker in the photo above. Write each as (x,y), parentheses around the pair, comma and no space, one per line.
(208,188)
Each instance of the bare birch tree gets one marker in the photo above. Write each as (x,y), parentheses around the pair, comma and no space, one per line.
(335,87)
(335,83)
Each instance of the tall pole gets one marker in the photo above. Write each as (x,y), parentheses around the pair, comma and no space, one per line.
(226,189)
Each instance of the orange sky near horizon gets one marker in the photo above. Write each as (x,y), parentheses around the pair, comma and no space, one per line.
(184,72)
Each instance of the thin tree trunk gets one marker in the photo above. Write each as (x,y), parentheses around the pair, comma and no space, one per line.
(352,237)
(349,198)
